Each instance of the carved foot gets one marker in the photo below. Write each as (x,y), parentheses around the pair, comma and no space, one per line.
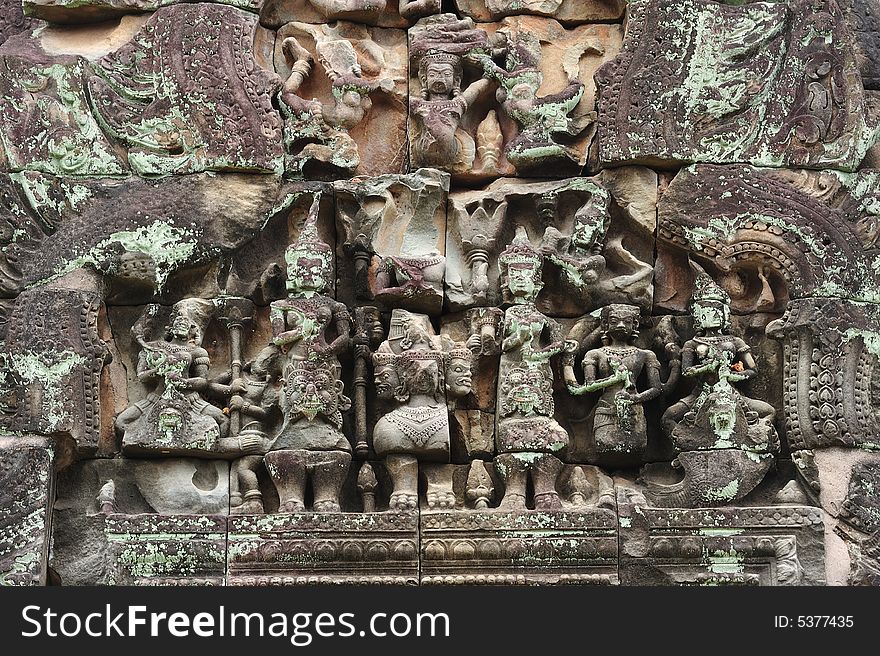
(548,501)
(252,507)
(403,501)
(326,506)
(292,506)
(442,500)
(513,502)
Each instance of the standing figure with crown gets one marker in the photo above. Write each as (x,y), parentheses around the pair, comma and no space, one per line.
(724,439)
(437,139)
(529,439)
(311,330)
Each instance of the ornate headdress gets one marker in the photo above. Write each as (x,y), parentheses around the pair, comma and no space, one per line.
(707,290)
(520,252)
(309,242)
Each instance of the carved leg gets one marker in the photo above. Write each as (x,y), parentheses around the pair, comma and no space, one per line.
(514,471)
(439,480)
(404,471)
(545,472)
(247,486)
(328,476)
(673,416)
(287,468)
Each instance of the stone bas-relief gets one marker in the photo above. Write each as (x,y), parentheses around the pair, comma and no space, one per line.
(356,291)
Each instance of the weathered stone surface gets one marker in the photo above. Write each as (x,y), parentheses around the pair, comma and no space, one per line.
(12,19)
(179,221)
(391,240)
(89,11)
(27,479)
(785,91)
(352,118)
(346,548)
(148,95)
(46,123)
(519,548)
(780,545)
(863,17)
(50,370)
(565,11)
(595,235)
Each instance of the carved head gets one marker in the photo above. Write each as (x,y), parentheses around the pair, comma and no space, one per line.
(710,305)
(309,259)
(385,375)
(459,377)
(524,391)
(419,373)
(591,222)
(619,321)
(521,269)
(313,389)
(189,320)
(440,74)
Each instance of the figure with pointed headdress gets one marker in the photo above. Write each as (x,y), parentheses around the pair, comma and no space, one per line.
(311,330)
(724,440)
(529,439)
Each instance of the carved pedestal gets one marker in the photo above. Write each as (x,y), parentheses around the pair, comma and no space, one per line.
(307,548)
(780,545)
(165,549)
(528,547)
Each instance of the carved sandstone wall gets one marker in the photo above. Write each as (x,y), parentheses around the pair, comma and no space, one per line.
(527,292)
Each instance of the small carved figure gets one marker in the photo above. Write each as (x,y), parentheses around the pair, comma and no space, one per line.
(718,360)
(528,436)
(318,131)
(613,369)
(540,119)
(411,361)
(257,403)
(437,140)
(174,417)
(724,439)
(311,330)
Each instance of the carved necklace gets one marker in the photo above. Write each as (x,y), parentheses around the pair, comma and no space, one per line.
(419,424)
(620,351)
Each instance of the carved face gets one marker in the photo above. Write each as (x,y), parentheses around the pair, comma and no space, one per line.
(440,78)
(620,321)
(180,327)
(386,380)
(524,392)
(459,378)
(420,377)
(313,392)
(710,315)
(522,281)
(308,272)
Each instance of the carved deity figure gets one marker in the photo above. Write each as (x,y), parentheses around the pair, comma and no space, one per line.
(257,402)
(540,120)
(311,330)
(614,370)
(528,437)
(174,417)
(437,140)
(578,256)
(724,439)
(320,131)
(410,367)
(718,361)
